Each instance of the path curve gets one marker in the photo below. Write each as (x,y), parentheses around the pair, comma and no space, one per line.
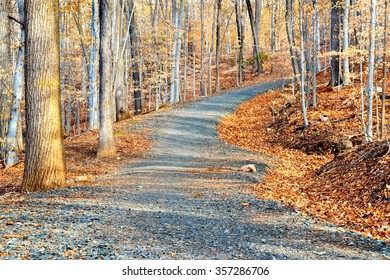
(186,199)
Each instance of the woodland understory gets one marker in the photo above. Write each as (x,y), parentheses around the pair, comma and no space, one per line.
(73,82)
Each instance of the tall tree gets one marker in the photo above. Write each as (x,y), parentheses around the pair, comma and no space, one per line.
(45,163)
(257,23)
(5,78)
(302,69)
(203,88)
(346,76)
(291,37)
(175,86)
(135,44)
(259,65)
(335,75)
(370,76)
(218,45)
(106,133)
(13,145)
(93,98)
(385,71)
(240,39)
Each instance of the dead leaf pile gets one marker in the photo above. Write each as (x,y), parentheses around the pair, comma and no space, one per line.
(82,164)
(312,171)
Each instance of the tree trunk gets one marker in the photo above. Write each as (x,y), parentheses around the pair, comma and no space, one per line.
(258,10)
(274,7)
(255,37)
(106,135)
(211,48)
(302,59)
(291,36)
(13,145)
(203,89)
(335,76)
(45,163)
(240,38)
(370,76)
(384,69)
(175,86)
(93,98)
(135,42)
(346,76)
(315,52)
(5,77)
(218,46)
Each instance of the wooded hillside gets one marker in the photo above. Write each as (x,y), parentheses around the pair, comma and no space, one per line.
(68,67)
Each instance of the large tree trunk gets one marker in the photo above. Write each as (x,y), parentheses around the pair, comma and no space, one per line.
(45,163)
(122,110)
(106,135)
(335,75)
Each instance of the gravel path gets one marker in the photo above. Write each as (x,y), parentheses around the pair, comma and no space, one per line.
(186,199)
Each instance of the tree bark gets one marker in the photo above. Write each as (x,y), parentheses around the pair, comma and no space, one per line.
(259,67)
(106,134)
(302,69)
(13,144)
(384,70)
(291,36)
(203,88)
(346,74)
(5,77)
(240,38)
(45,163)
(218,45)
(135,42)
(335,75)
(370,76)
(93,98)
(175,86)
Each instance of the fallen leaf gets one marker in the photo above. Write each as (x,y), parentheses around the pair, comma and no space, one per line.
(198,195)
(245,204)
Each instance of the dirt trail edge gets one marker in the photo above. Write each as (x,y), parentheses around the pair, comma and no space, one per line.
(186,199)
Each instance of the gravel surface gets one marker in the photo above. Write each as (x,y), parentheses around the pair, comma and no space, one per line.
(186,199)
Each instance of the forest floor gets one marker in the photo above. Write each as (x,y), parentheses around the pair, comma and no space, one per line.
(171,170)
(325,170)
(80,150)
(185,198)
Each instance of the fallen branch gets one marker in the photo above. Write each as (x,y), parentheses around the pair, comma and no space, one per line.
(344,119)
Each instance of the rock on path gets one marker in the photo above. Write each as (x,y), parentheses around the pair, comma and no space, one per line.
(186,199)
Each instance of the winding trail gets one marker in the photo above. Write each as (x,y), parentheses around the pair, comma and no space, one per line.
(186,199)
